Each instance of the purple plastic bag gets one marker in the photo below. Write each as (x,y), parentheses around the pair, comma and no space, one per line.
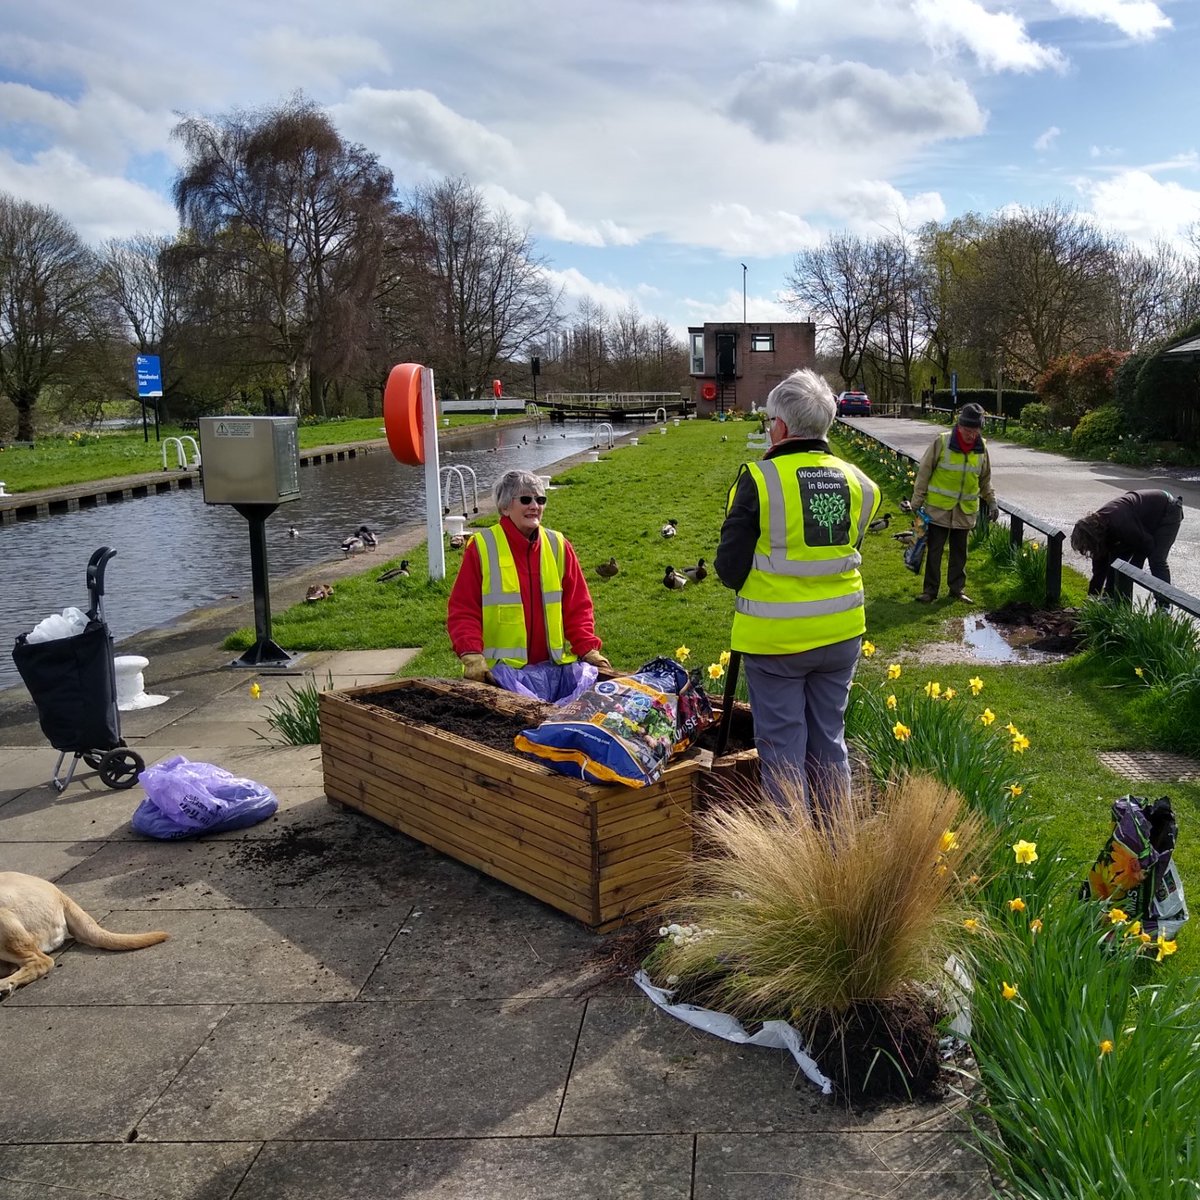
(546,681)
(186,799)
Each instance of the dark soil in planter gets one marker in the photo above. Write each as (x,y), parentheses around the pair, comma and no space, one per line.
(1051,630)
(496,728)
(463,716)
(880,1050)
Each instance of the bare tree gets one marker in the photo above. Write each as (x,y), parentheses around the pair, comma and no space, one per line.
(485,294)
(48,303)
(307,214)
(1148,297)
(840,284)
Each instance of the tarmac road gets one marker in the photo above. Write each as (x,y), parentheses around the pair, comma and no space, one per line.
(1063,489)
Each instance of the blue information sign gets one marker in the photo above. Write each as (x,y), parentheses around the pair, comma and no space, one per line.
(149,376)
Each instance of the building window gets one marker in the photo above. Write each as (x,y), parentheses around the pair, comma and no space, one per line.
(763,341)
(698,353)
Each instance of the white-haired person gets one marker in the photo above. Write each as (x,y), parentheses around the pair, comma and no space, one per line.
(789,547)
(520,597)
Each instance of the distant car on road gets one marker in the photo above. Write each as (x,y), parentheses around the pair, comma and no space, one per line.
(854,404)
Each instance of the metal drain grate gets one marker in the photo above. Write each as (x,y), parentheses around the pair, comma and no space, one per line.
(1150,765)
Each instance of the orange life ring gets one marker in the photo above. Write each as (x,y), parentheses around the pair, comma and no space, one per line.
(709,391)
(403,418)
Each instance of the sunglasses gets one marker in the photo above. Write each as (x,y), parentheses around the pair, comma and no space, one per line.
(539,500)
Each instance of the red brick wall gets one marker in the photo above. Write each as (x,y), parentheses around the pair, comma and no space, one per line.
(757,371)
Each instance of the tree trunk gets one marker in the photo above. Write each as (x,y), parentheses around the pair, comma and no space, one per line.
(24,404)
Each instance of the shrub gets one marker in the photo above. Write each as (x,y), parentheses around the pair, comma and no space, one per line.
(1098,430)
(804,916)
(1037,416)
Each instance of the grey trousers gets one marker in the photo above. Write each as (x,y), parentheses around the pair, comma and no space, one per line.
(798,702)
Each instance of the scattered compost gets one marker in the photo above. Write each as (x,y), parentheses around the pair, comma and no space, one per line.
(1053,631)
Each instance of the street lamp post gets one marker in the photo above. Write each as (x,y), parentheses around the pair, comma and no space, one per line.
(743,293)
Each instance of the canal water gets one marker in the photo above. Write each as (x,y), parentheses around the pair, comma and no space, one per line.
(175,553)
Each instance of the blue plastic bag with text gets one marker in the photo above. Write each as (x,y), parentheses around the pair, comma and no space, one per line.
(188,799)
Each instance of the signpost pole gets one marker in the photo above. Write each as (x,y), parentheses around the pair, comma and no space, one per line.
(149,387)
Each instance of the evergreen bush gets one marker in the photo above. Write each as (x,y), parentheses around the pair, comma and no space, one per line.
(1098,431)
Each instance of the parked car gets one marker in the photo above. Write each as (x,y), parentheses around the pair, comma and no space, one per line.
(854,404)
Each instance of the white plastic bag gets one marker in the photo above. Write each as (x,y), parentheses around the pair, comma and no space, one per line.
(67,624)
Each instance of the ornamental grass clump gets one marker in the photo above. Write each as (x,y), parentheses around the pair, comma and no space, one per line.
(294,718)
(801,917)
(1092,1081)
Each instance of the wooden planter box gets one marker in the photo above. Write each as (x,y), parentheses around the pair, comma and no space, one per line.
(602,854)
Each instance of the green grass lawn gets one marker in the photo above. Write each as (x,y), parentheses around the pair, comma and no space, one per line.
(83,457)
(617,506)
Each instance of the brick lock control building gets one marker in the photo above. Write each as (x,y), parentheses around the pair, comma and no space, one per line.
(734,365)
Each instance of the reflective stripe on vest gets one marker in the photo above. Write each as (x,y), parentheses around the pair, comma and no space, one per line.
(504,634)
(803,592)
(955,478)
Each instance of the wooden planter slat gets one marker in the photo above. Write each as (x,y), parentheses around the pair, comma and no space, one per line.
(472,761)
(564,881)
(601,853)
(509,818)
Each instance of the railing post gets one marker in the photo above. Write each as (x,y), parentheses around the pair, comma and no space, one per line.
(1016,530)
(1054,559)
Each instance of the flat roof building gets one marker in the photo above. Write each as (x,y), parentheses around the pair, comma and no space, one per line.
(733,364)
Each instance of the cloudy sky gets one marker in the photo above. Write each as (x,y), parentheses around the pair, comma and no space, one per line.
(653,146)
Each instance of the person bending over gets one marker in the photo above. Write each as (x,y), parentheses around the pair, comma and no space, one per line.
(1136,526)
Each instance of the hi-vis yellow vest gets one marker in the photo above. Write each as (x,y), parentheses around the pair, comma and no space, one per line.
(503,613)
(955,478)
(804,589)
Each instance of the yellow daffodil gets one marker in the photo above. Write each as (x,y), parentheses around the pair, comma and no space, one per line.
(891,701)
(1016,904)
(987,716)
(1009,990)
(255,691)
(682,653)
(971,924)
(1118,916)
(901,732)
(949,841)
(1013,731)
(1145,938)
(1020,743)
(1035,926)
(893,670)
(933,690)
(1034,546)
(868,648)
(1164,948)
(724,657)
(715,670)
(1106,1047)
(975,684)
(974,880)
(949,694)
(1015,789)
(1134,929)
(1139,672)
(1026,852)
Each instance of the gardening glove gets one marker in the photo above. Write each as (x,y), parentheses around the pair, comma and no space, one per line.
(993,512)
(597,659)
(474,667)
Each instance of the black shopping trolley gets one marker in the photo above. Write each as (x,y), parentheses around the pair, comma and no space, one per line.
(73,683)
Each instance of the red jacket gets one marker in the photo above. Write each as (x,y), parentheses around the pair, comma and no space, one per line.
(464,619)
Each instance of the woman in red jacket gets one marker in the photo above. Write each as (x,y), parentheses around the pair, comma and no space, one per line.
(519,556)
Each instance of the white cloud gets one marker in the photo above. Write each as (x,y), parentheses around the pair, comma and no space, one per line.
(577,286)
(1143,208)
(1046,139)
(288,55)
(1139,19)
(998,40)
(546,217)
(99,206)
(416,127)
(736,230)
(842,102)
(873,207)
(729,308)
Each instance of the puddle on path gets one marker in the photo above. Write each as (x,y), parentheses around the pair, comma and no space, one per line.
(984,642)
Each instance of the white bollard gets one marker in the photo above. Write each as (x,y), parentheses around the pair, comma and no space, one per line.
(131,683)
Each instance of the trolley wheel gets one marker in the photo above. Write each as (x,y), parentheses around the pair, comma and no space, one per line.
(120,768)
(94,758)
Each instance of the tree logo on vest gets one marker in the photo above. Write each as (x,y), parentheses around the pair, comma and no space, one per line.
(825,500)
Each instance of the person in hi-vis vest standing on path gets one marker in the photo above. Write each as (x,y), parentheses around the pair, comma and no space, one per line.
(790,548)
(954,477)
(520,597)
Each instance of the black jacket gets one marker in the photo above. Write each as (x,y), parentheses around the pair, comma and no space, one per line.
(1130,522)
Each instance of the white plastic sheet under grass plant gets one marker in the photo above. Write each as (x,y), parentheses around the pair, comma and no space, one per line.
(778,1035)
